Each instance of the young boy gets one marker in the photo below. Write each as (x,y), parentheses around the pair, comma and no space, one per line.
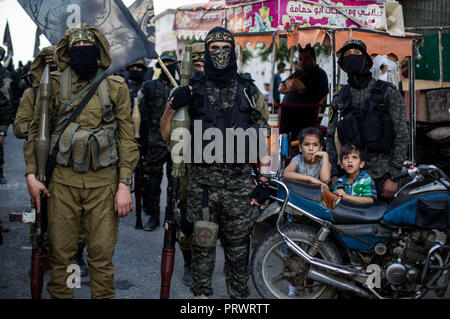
(312,164)
(356,185)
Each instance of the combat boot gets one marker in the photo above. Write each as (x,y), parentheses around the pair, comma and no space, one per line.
(153,220)
(84,270)
(2,178)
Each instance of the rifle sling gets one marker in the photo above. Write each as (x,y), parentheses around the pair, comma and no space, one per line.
(52,159)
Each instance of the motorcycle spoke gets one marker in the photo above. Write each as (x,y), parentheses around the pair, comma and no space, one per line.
(279,255)
(278,278)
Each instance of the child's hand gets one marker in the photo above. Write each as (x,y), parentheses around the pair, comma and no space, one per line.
(320,154)
(316,181)
(341,193)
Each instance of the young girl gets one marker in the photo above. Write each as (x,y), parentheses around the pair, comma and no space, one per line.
(312,164)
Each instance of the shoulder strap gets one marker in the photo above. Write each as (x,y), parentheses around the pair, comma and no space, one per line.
(378,91)
(35,92)
(52,159)
(104,96)
(66,85)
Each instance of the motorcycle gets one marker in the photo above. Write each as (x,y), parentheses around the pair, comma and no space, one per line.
(322,244)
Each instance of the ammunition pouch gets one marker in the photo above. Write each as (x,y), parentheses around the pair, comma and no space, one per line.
(205,232)
(79,146)
(85,148)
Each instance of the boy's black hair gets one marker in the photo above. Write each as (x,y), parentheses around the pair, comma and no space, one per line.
(310,131)
(351,148)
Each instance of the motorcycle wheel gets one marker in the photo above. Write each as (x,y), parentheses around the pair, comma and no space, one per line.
(271,255)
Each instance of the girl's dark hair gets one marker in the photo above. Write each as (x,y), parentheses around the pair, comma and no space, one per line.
(351,148)
(310,131)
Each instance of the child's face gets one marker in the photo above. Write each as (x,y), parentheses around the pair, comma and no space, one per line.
(351,163)
(310,146)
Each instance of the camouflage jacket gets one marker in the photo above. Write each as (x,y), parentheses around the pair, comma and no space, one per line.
(231,176)
(377,164)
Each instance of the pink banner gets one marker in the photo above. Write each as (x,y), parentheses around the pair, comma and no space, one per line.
(254,16)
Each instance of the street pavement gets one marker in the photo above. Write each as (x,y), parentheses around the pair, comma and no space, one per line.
(137,258)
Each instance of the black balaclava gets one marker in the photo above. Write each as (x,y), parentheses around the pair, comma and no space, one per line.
(171,68)
(136,75)
(220,67)
(356,66)
(85,61)
(357,69)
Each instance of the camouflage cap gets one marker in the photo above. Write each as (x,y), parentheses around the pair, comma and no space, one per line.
(81,35)
(354,44)
(198,52)
(169,56)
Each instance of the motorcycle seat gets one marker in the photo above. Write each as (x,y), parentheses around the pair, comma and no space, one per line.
(303,189)
(347,212)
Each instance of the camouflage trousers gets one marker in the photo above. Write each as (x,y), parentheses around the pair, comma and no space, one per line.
(230,209)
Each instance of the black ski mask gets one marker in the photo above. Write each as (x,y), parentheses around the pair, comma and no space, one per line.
(357,69)
(171,68)
(220,65)
(136,75)
(85,61)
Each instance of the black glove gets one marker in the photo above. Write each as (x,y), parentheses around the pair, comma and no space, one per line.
(181,97)
(261,192)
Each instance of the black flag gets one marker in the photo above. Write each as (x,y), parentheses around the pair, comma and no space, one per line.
(7,40)
(37,42)
(128,42)
(144,14)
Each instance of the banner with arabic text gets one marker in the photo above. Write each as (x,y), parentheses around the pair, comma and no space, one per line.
(263,16)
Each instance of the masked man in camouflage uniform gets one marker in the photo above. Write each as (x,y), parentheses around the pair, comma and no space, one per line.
(386,158)
(91,181)
(4,111)
(136,74)
(219,191)
(152,102)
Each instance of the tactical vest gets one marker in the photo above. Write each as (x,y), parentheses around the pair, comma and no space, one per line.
(81,147)
(156,96)
(237,117)
(369,127)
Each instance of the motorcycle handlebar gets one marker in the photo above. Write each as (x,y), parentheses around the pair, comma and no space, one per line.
(400,176)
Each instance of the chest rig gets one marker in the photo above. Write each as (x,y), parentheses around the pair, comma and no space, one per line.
(81,147)
(236,116)
(369,126)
